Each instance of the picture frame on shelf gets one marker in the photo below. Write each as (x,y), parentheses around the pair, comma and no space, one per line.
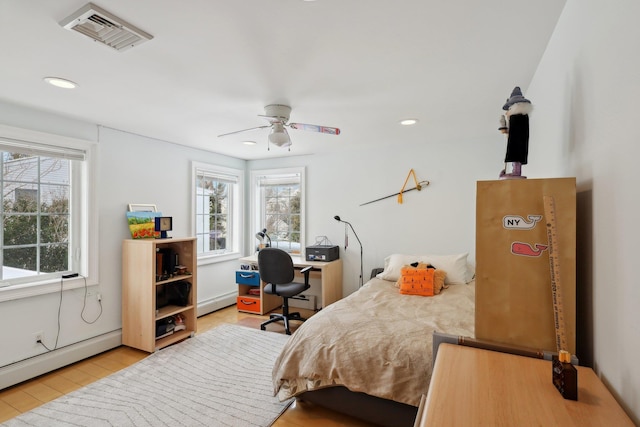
(141,207)
(142,224)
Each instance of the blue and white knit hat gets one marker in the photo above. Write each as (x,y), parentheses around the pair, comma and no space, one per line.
(516,96)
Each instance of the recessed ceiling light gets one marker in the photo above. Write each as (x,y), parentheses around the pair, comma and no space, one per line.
(249,142)
(60,82)
(408,122)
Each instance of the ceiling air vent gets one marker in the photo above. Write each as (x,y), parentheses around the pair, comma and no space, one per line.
(101,26)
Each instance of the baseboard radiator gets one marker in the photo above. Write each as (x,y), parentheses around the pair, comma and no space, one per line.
(50,361)
(213,304)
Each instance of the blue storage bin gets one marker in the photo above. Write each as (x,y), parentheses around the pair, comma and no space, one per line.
(248,277)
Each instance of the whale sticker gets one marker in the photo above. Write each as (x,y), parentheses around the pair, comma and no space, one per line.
(516,222)
(525,249)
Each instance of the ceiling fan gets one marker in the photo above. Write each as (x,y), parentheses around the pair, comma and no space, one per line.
(278,117)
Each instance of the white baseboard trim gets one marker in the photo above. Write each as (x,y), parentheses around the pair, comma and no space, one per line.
(38,365)
(50,361)
(217,303)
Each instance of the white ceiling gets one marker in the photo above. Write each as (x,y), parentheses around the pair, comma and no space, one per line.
(212,66)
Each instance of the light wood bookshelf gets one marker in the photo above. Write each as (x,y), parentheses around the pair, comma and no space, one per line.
(140,285)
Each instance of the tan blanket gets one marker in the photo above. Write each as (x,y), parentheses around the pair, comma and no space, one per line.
(376,341)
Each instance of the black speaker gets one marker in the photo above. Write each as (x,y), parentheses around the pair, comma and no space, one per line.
(169,260)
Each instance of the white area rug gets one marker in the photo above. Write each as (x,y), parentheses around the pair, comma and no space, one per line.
(218,378)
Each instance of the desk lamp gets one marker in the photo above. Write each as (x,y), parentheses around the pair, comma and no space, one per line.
(346,241)
(260,235)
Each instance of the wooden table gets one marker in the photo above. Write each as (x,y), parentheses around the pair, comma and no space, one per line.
(472,386)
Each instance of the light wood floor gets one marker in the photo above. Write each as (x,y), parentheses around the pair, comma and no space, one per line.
(30,394)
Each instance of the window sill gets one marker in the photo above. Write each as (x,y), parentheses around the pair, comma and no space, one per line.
(28,290)
(213,259)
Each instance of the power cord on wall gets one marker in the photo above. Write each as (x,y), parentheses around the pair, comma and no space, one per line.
(59,310)
(84,305)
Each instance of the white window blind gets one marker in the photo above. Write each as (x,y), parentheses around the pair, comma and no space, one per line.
(220,177)
(279,179)
(39,149)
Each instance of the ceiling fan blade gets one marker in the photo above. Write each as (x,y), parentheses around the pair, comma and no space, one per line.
(245,130)
(315,128)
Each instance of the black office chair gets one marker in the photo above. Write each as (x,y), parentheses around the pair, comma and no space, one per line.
(276,270)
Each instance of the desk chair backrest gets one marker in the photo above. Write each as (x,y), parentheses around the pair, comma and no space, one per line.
(275,266)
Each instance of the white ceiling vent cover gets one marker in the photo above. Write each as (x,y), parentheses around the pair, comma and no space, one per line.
(103,27)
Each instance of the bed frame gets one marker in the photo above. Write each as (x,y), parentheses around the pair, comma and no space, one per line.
(368,408)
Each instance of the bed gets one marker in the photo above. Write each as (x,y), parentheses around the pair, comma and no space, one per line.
(369,354)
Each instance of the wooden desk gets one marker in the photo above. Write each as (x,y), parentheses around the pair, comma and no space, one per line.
(471,386)
(329,275)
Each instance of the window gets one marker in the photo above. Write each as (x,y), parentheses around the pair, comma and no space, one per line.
(217,212)
(46,222)
(35,214)
(278,206)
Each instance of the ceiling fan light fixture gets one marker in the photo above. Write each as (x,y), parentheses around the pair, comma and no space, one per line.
(279,136)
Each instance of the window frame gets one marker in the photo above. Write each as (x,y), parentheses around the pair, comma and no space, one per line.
(84,225)
(256,208)
(237,216)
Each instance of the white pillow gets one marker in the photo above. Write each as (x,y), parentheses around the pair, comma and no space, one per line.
(454,265)
(393,264)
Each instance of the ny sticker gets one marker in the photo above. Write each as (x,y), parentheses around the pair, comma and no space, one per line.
(517,222)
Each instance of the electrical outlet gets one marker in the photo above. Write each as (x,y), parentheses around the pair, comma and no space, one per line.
(99,296)
(38,336)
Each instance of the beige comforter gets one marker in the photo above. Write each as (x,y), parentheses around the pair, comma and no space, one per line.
(374,341)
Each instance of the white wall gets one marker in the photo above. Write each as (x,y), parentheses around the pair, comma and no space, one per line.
(439,219)
(131,169)
(135,169)
(585,124)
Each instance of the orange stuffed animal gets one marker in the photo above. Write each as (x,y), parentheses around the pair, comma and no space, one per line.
(421,279)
